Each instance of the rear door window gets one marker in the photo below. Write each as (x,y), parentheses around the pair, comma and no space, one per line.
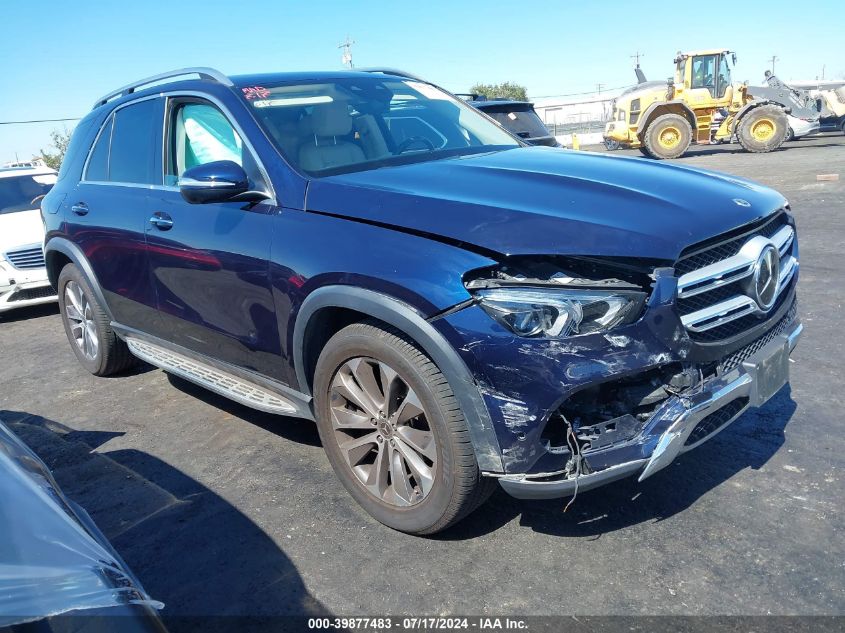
(125,149)
(133,138)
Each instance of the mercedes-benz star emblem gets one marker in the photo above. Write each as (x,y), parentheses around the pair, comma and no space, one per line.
(766,273)
(742,203)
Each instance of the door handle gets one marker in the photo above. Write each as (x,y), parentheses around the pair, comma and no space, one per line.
(80,208)
(161,221)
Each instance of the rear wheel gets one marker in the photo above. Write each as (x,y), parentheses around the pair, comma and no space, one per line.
(393,432)
(88,327)
(644,151)
(668,136)
(763,129)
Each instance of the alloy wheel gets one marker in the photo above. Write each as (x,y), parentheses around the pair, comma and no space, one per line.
(382,431)
(80,318)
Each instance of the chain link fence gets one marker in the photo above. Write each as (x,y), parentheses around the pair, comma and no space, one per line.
(576,118)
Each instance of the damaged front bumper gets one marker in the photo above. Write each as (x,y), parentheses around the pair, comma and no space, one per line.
(679,424)
(21,288)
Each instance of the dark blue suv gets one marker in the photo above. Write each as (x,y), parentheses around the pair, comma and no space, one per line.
(453,308)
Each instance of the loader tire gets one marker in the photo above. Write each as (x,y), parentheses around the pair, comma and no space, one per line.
(668,136)
(763,129)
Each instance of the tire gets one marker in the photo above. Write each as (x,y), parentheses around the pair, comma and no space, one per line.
(644,151)
(668,136)
(842,126)
(85,319)
(790,135)
(763,129)
(354,356)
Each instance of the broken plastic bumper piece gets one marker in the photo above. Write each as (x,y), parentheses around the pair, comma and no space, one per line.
(681,423)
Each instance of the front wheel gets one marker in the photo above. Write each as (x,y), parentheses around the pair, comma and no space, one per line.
(393,432)
(668,136)
(763,129)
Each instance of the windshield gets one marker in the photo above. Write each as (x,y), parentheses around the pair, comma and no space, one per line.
(360,123)
(24,193)
(524,123)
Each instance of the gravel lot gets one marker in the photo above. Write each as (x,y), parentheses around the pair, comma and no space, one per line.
(223,510)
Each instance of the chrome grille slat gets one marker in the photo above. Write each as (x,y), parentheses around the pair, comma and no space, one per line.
(715,282)
(733,268)
(719,314)
(26,258)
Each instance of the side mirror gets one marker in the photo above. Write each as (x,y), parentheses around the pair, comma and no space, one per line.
(219,181)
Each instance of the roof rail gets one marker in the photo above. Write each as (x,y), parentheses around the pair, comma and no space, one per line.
(389,71)
(202,71)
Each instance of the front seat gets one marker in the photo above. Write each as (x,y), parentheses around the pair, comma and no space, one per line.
(324,150)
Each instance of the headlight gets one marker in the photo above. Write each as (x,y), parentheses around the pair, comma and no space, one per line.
(536,312)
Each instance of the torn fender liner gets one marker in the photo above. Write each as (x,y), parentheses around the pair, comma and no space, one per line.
(53,559)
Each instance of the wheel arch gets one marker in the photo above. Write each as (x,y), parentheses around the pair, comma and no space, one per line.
(58,252)
(665,107)
(330,308)
(748,107)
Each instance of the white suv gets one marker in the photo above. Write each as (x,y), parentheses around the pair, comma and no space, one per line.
(23,277)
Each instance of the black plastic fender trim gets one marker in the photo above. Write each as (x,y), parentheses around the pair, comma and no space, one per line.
(74,253)
(403,317)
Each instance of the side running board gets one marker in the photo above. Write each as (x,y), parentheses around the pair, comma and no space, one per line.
(213,379)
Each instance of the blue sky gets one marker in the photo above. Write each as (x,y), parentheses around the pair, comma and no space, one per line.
(60,55)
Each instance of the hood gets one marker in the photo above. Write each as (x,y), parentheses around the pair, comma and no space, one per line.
(22,228)
(543,201)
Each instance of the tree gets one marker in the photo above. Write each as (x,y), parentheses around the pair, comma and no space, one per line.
(506,90)
(59,141)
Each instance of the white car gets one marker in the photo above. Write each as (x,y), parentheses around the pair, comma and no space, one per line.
(799,128)
(23,276)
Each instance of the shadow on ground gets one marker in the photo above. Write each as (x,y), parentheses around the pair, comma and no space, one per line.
(190,548)
(29,312)
(747,443)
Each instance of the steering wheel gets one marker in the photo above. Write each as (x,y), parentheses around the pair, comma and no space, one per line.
(405,145)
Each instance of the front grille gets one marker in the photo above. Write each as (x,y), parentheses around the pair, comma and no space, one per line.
(26,258)
(716,420)
(28,294)
(716,297)
(744,353)
(725,246)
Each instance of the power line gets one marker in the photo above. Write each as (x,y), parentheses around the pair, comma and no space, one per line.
(578,94)
(40,121)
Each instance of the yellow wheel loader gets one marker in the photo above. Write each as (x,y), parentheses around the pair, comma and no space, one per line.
(699,105)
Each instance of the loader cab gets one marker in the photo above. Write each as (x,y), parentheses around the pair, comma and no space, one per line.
(704,78)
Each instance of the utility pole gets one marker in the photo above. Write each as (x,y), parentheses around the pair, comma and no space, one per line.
(347,52)
(773,59)
(598,89)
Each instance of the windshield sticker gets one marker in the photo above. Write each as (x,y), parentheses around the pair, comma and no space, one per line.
(256,92)
(291,101)
(426,90)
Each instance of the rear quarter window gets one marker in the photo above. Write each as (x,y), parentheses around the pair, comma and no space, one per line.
(76,149)
(98,163)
